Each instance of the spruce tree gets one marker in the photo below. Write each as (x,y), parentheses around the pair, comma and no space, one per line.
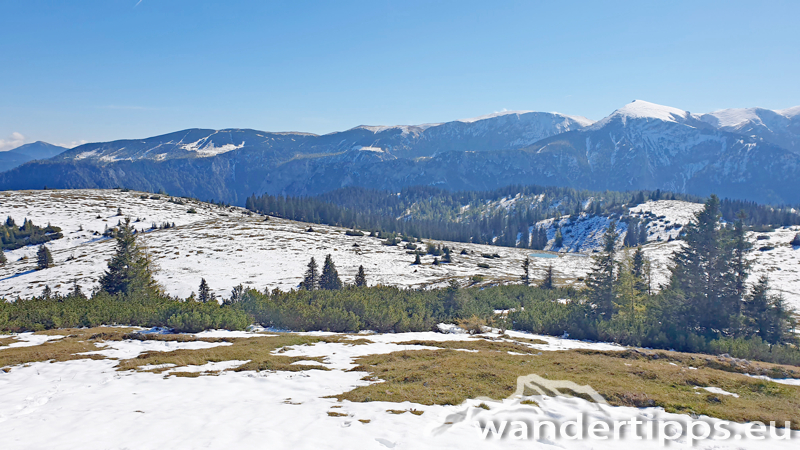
(76,291)
(129,269)
(639,271)
(417,260)
(203,292)
(526,272)
(602,279)
(704,273)
(547,283)
(766,315)
(361,277)
(740,264)
(642,233)
(559,239)
(44,259)
(329,279)
(311,278)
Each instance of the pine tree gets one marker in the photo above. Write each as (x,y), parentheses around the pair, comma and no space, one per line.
(47,293)
(311,278)
(524,238)
(704,273)
(76,291)
(203,292)
(446,257)
(3,259)
(642,233)
(639,271)
(766,315)
(361,277)
(417,260)
(741,266)
(237,294)
(602,279)
(547,283)
(129,269)
(329,279)
(559,239)
(526,272)
(44,259)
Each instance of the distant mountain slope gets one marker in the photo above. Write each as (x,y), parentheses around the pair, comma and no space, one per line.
(781,128)
(28,152)
(498,131)
(639,146)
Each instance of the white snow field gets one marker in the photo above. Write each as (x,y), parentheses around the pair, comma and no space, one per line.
(227,246)
(87,404)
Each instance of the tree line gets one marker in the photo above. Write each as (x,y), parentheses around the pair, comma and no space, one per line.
(483,217)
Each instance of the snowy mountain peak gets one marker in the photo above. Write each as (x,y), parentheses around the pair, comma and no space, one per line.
(789,112)
(640,109)
(582,121)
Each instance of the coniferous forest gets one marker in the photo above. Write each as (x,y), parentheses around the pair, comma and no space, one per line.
(505,217)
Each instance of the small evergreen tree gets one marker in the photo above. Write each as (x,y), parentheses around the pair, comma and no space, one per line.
(3,259)
(547,283)
(47,293)
(640,270)
(237,294)
(329,279)
(766,315)
(446,257)
(602,279)
(44,259)
(417,260)
(361,277)
(526,272)
(129,270)
(76,291)
(559,239)
(741,266)
(311,278)
(203,292)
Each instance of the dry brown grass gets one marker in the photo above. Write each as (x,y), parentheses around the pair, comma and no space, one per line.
(75,340)
(626,378)
(476,344)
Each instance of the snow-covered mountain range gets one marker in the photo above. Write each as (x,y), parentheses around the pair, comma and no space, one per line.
(744,153)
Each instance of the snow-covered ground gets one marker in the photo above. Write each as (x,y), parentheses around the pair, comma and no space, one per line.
(227,246)
(88,404)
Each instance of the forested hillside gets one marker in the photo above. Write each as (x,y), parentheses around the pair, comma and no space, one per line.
(509,216)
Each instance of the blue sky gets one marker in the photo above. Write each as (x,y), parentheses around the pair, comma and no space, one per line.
(83,70)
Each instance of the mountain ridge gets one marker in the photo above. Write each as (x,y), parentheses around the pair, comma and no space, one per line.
(639,146)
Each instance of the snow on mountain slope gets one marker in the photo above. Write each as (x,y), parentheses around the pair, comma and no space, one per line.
(780,127)
(640,109)
(665,218)
(735,117)
(228,246)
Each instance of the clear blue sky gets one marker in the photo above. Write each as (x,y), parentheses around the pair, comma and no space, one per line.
(83,70)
